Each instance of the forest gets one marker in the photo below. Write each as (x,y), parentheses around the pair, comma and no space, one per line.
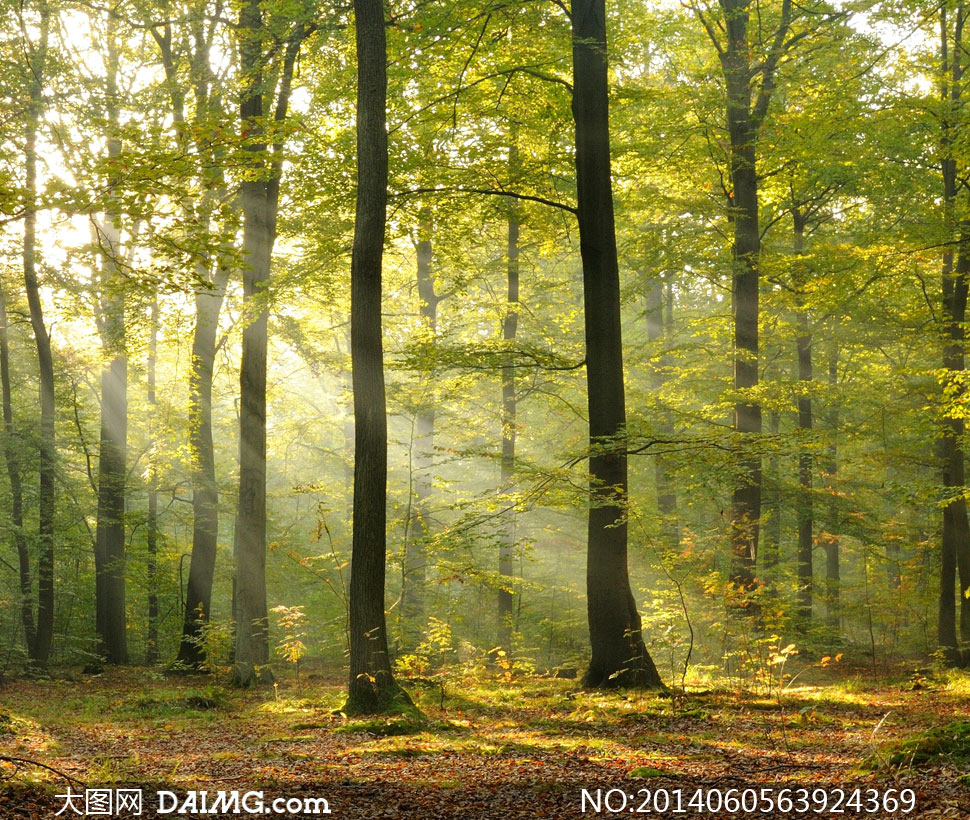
(457,408)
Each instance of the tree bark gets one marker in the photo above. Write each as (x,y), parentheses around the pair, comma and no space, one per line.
(259,195)
(205,493)
(151,648)
(956,531)
(371,687)
(659,322)
(109,552)
(510,323)
(619,656)
(833,608)
(12,456)
(806,467)
(44,633)
(422,459)
(742,131)
(770,552)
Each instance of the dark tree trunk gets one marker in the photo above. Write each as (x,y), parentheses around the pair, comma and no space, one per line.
(659,321)
(371,687)
(205,493)
(12,455)
(44,633)
(422,458)
(109,551)
(956,531)
(151,648)
(833,610)
(506,550)
(260,204)
(742,131)
(208,304)
(110,540)
(806,467)
(258,198)
(619,656)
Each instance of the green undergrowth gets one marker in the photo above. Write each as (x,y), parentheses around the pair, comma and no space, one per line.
(950,743)
(202,700)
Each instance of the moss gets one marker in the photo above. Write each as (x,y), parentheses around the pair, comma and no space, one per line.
(946,743)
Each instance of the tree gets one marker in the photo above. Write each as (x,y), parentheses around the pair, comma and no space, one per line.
(211,275)
(955,283)
(44,634)
(109,551)
(372,687)
(619,656)
(259,196)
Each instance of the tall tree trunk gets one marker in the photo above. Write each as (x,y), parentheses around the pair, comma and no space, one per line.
(205,493)
(260,204)
(109,552)
(956,531)
(371,687)
(422,458)
(806,467)
(44,634)
(659,308)
(833,609)
(208,304)
(259,233)
(742,131)
(12,455)
(151,648)
(510,323)
(619,656)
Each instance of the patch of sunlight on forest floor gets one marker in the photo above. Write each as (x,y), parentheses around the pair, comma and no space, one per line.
(520,747)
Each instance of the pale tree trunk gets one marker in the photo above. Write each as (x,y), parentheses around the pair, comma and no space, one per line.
(806,466)
(619,656)
(833,609)
(422,454)
(371,687)
(659,329)
(151,649)
(770,552)
(506,550)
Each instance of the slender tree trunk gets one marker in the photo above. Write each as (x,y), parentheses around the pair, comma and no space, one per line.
(422,459)
(806,466)
(260,205)
(12,455)
(658,332)
(510,323)
(771,546)
(44,634)
(371,687)
(956,531)
(151,649)
(259,233)
(833,607)
(109,552)
(619,656)
(742,131)
(205,493)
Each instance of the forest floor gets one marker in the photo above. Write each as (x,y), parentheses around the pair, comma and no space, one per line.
(487,749)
